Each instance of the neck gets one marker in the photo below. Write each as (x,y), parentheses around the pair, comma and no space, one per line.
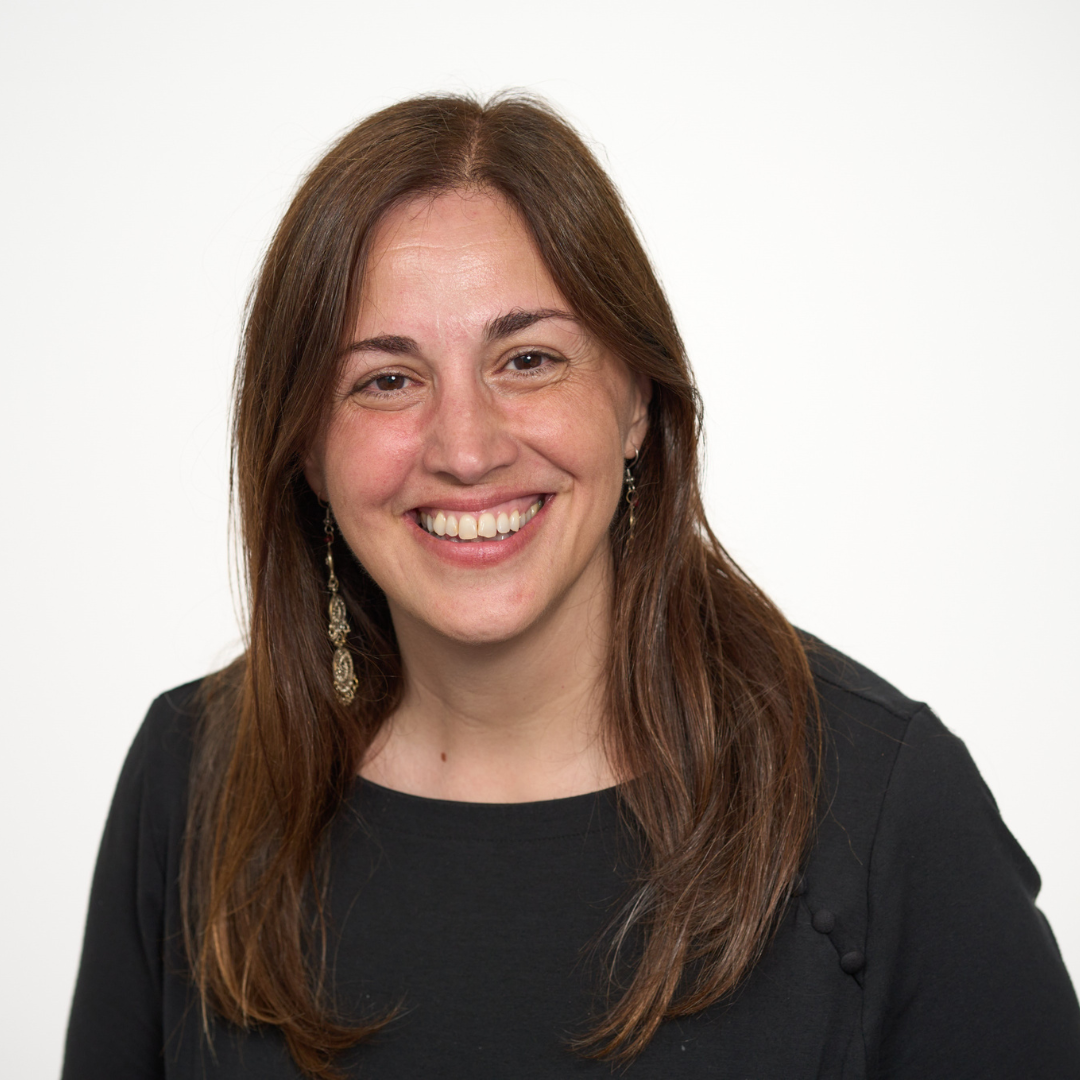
(513,721)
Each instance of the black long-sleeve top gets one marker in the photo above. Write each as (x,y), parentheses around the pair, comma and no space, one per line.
(913,950)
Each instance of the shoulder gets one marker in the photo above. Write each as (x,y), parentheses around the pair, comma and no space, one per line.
(927,897)
(851,693)
(888,757)
(165,741)
(152,788)
(882,753)
(869,726)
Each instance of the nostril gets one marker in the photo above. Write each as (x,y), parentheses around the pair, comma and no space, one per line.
(468,443)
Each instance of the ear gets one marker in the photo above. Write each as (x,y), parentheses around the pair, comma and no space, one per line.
(639,414)
(313,473)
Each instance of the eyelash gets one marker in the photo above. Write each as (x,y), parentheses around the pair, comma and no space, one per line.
(369,388)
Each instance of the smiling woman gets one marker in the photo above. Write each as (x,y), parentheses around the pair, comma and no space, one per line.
(478,429)
(520,775)
(472,399)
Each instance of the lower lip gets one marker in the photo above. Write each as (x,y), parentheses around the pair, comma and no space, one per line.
(479,553)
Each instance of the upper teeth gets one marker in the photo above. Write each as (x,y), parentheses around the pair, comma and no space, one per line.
(485,526)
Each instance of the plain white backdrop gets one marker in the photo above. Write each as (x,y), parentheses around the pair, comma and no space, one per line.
(866,217)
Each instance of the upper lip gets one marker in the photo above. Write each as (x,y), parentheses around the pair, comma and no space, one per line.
(476,503)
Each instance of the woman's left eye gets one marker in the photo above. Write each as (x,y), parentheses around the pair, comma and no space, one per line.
(529,361)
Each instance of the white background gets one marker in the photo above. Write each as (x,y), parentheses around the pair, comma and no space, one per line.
(866,215)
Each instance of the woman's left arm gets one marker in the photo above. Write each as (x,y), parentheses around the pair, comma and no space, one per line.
(963,976)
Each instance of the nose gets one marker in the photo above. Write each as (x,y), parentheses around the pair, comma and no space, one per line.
(467,438)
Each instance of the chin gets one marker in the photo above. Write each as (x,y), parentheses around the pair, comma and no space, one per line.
(478,626)
(483,632)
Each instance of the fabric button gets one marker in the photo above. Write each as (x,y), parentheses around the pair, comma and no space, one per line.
(852,961)
(823,921)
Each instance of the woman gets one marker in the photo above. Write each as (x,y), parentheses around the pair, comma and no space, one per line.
(520,775)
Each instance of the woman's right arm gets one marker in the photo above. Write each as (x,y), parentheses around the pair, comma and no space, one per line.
(115,1029)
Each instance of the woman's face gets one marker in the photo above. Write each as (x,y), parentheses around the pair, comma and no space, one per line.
(471,401)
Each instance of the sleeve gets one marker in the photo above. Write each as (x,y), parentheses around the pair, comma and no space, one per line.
(963,978)
(115,1028)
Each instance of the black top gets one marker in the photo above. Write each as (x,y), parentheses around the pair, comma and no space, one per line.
(914,950)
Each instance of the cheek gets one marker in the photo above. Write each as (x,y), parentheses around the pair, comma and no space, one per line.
(579,429)
(368,459)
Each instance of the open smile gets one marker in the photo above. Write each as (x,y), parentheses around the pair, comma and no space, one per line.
(493,524)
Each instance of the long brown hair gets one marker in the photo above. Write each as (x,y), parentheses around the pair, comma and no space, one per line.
(710,700)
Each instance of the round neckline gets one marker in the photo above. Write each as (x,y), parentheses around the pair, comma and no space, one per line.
(573,815)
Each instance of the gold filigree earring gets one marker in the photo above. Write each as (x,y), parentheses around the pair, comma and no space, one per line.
(631,495)
(345,682)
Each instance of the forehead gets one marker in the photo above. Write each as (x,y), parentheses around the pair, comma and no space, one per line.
(460,256)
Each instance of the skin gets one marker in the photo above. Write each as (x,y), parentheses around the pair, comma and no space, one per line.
(439,405)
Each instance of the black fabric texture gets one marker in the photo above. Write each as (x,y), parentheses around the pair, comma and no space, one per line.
(913,950)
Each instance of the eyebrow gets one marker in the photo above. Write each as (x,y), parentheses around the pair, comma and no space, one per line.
(515,321)
(504,326)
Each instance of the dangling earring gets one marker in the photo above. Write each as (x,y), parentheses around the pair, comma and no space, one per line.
(631,495)
(345,682)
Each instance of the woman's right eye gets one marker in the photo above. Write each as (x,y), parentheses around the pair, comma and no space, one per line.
(389,382)
(385,384)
